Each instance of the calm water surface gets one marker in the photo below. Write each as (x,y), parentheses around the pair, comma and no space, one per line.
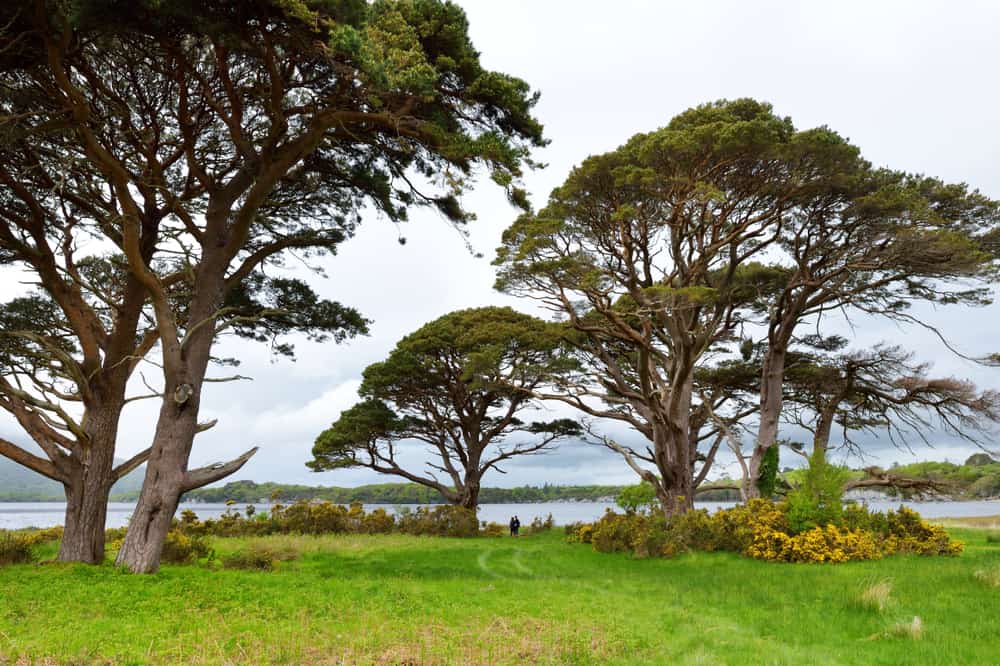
(15,515)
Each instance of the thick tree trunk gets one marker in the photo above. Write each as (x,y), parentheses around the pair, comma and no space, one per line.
(772,379)
(167,474)
(672,445)
(678,497)
(91,478)
(161,488)
(469,494)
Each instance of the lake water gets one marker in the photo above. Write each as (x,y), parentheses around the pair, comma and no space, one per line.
(14,515)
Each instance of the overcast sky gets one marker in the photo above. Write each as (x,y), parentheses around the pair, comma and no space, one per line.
(913,84)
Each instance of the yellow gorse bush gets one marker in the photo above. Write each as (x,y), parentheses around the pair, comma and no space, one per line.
(760,529)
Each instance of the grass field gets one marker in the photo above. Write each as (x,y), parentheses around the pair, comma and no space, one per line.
(420,600)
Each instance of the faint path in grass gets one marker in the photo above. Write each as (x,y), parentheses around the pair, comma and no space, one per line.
(519,565)
(485,559)
(483,562)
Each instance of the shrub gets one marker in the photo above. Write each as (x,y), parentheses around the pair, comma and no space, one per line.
(820,544)
(442,520)
(908,533)
(254,557)
(579,532)
(616,532)
(692,530)
(16,548)
(492,529)
(539,525)
(635,498)
(760,529)
(181,548)
(819,499)
(378,521)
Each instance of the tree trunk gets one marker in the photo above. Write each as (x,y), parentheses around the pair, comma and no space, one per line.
(672,445)
(167,475)
(824,426)
(86,513)
(678,498)
(161,488)
(469,494)
(91,478)
(772,378)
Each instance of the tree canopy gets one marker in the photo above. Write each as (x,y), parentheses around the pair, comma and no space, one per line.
(205,142)
(660,254)
(456,386)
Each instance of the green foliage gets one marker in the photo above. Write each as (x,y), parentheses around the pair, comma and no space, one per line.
(637,497)
(767,479)
(761,529)
(257,556)
(311,517)
(16,548)
(456,384)
(818,500)
(979,459)
(446,521)
(244,492)
(183,548)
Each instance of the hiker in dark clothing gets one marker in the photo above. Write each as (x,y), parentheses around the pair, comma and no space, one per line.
(515,525)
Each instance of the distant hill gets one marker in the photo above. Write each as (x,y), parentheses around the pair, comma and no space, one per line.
(20,484)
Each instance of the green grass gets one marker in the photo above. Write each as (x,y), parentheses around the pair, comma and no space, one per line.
(419,600)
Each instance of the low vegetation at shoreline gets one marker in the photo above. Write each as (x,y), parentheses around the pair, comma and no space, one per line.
(766,530)
(397,598)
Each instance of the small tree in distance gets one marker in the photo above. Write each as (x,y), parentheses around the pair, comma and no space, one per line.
(456,385)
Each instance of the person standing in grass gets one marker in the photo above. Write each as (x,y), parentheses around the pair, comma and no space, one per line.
(515,525)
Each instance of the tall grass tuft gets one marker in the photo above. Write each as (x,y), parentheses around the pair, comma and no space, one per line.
(913,629)
(15,549)
(989,577)
(876,596)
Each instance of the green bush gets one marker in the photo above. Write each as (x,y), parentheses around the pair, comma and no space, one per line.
(818,500)
(254,557)
(492,529)
(378,521)
(635,498)
(181,548)
(579,532)
(760,529)
(443,520)
(616,532)
(16,548)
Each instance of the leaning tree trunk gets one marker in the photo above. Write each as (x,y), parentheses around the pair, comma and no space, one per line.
(162,487)
(167,473)
(772,378)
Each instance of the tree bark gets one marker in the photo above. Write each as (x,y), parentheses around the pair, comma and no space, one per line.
(167,475)
(88,487)
(468,497)
(161,490)
(772,379)
(672,445)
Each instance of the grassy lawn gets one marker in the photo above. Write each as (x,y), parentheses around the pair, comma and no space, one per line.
(418,600)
